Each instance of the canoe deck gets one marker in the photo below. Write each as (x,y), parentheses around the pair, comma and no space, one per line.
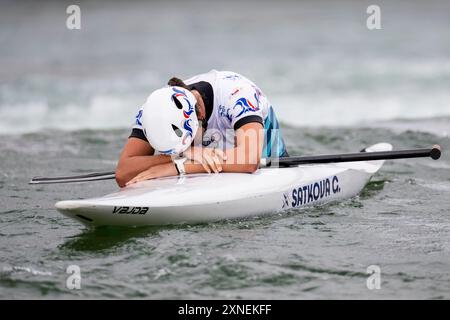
(211,197)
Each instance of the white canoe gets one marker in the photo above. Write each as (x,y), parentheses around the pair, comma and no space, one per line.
(203,198)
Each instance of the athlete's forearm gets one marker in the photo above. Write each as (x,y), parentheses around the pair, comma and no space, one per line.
(191,167)
(237,160)
(130,167)
(167,169)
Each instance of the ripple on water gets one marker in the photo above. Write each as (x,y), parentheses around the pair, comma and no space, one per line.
(314,270)
(28,281)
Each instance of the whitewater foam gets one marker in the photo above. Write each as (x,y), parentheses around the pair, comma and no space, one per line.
(350,109)
(347,109)
(102,112)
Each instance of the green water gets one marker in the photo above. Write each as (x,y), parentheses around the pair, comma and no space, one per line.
(399,222)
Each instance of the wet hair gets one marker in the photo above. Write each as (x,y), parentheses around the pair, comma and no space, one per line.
(174,81)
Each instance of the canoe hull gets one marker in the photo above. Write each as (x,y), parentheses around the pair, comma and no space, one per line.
(206,198)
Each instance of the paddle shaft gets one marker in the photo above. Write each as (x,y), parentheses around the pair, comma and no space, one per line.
(95,176)
(434,153)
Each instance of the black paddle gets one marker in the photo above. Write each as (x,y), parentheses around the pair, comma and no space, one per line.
(94,176)
(434,153)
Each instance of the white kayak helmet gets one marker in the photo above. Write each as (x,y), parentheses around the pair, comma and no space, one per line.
(169,120)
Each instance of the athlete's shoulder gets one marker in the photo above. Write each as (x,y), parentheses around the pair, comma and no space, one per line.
(210,76)
(230,76)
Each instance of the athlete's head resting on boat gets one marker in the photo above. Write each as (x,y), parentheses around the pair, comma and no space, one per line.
(218,121)
(169,119)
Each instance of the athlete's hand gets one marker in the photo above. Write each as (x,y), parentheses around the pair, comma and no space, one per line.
(159,171)
(211,159)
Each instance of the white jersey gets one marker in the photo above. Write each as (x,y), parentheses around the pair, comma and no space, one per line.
(235,101)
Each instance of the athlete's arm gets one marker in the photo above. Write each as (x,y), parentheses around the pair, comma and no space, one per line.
(245,157)
(136,157)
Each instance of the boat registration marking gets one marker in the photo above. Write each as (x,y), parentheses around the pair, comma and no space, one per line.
(312,192)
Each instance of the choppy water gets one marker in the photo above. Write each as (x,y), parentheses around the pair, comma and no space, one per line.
(337,88)
(400,222)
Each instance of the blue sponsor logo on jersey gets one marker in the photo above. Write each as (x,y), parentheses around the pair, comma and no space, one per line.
(246,106)
(138,118)
(315,191)
(232,77)
(225,112)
